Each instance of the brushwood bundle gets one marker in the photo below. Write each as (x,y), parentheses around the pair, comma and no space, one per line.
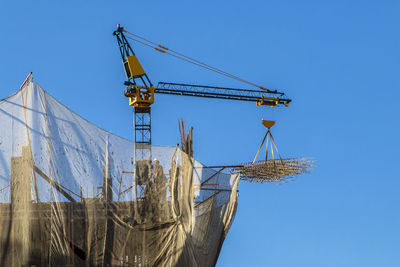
(274,170)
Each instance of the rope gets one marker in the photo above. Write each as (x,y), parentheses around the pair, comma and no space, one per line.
(266,146)
(178,55)
(272,144)
(260,147)
(273,141)
(24,101)
(1,189)
(280,158)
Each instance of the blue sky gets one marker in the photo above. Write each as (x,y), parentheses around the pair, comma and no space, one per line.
(338,60)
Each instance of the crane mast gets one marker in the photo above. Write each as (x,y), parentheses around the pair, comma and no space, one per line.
(141,91)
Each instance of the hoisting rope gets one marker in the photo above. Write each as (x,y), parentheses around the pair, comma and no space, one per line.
(268,134)
(261,146)
(165,50)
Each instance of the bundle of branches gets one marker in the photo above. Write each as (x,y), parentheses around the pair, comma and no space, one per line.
(275,170)
(186,140)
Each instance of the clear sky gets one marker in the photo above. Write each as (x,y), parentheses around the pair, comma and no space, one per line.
(338,60)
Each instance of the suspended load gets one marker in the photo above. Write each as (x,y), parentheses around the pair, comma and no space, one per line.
(275,169)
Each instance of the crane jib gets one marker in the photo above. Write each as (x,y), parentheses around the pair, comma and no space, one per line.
(260,97)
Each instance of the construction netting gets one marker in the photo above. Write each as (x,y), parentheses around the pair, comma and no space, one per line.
(71,194)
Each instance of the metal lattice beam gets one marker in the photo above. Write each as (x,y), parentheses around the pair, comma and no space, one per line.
(217,92)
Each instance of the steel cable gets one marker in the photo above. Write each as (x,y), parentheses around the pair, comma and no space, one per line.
(190,60)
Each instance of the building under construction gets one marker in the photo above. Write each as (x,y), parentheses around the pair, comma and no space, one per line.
(71,195)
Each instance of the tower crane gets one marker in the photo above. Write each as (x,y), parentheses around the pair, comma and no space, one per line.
(141,92)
